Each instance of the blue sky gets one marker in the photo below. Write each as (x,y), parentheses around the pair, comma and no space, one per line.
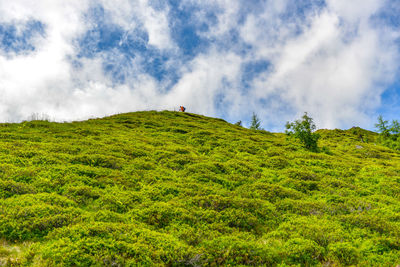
(79,59)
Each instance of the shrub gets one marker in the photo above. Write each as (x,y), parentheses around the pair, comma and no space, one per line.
(11,188)
(234,251)
(110,244)
(82,194)
(344,252)
(303,251)
(27,217)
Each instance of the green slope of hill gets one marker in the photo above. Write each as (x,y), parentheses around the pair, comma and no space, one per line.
(171,188)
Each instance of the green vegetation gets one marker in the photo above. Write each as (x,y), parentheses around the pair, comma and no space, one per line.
(255,122)
(179,189)
(304,130)
(389,134)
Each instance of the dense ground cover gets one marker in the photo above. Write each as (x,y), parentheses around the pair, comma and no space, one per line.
(171,188)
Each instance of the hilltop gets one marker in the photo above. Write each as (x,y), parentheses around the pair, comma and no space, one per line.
(171,188)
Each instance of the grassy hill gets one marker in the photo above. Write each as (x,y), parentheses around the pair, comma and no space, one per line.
(176,189)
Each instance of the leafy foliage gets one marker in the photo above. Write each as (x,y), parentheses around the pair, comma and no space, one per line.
(179,189)
(304,130)
(389,133)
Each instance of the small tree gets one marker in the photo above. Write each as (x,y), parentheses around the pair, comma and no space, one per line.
(383,126)
(389,134)
(255,122)
(304,130)
(395,127)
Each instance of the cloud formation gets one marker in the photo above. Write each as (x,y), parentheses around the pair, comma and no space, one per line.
(84,58)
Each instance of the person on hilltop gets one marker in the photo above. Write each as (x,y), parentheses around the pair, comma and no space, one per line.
(182,108)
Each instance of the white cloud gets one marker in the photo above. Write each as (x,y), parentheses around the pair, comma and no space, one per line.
(355,10)
(156,24)
(132,14)
(203,80)
(25,78)
(44,81)
(336,77)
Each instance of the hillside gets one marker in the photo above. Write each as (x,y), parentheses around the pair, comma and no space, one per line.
(169,188)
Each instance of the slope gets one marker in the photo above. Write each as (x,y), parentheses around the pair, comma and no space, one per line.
(169,188)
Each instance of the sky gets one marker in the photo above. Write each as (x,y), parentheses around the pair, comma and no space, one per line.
(338,60)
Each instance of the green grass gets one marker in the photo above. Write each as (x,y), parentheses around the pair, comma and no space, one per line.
(176,189)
